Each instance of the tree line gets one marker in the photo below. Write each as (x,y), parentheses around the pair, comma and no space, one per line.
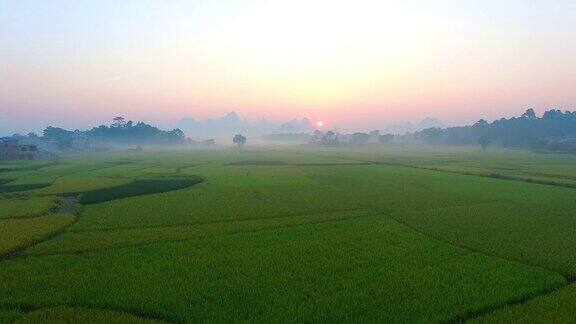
(554,131)
(120,131)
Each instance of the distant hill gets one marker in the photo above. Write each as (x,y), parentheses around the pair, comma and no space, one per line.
(401,129)
(219,127)
(231,124)
(296,126)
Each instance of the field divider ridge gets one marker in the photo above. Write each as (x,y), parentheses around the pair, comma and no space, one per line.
(189,224)
(515,301)
(27,308)
(17,251)
(488,175)
(370,213)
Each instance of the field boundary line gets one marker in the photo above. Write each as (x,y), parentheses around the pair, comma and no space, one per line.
(183,224)
(182,168)
(201,237)
(69,193)
(362,162)
(107,166)
(492,175)
(470,249)
(17,251)
(490,309)
(46,213)
(523,301)
(59,177)
(28,308)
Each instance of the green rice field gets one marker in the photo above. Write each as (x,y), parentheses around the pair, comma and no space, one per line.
(290,234)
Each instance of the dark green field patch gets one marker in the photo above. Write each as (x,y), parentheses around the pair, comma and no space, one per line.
(9,188)
(139,187)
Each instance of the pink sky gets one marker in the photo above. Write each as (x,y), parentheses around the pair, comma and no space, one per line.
(353,64)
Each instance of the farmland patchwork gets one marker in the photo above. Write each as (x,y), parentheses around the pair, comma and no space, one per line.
(292,235)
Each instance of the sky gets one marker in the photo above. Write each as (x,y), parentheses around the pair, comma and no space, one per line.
(354,64)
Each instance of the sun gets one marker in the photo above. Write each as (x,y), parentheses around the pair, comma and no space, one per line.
(320,123)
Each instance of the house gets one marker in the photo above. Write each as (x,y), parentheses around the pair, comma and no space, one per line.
(11,149)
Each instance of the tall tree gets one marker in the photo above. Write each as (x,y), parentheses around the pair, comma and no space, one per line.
(484,141)
(239,140)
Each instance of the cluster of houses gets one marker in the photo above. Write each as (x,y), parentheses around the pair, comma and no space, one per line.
(11,149)
(14,149)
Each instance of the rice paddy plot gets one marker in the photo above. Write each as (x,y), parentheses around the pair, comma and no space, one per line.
(551,169)
(46,176)
(25,206)
(556,307)
(363,269)
(18,234)
(208,203)
(83,241)
(27,165)
(540,234)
